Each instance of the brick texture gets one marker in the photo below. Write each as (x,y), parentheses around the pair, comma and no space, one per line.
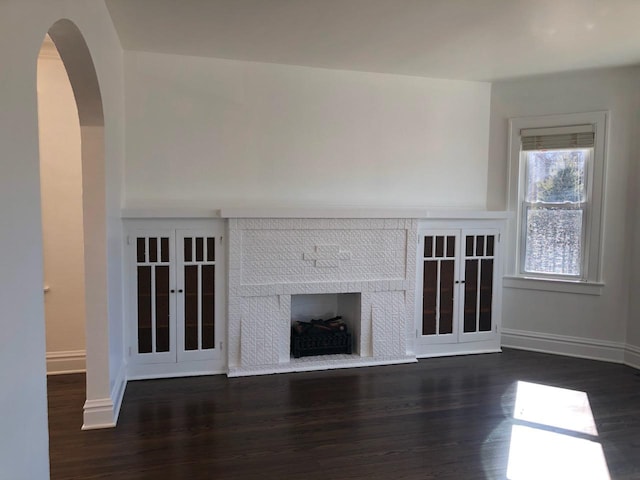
(272,259)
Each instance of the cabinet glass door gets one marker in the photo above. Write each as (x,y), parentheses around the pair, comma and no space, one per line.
(199,283)
(154,328)
(479,253)
(439,281)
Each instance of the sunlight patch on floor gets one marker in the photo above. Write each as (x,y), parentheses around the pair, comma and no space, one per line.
(554,407)
(536,454)
(554,436)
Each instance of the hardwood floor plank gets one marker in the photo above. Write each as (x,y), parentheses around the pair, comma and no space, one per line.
(443,418)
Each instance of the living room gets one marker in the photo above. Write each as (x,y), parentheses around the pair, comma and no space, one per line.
(384,115)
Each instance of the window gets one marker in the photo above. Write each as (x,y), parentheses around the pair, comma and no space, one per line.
(556,192)
(553,206)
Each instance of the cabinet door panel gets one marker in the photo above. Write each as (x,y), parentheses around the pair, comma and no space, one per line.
(478,277)
(200,316)
(152,304)
(438,269)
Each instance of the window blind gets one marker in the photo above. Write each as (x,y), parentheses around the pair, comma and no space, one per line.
(556,138)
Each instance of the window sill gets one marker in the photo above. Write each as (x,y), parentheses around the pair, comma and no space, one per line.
(550,285)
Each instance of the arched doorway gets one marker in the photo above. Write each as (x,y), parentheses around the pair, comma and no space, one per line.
(75,55)
(61,207)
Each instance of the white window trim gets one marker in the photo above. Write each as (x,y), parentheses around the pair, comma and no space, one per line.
(591,282)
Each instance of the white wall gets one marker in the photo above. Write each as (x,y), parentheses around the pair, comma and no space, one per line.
(601,319)
(23,423)
(633,327)
(214,133)
(63,238)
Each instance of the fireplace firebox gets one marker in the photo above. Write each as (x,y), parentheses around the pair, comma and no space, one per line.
(320,337)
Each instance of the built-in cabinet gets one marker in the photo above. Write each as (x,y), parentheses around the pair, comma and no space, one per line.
(458,288)
(176,298)
(177,284)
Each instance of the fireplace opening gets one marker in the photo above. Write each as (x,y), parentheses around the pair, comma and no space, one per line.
(325,324)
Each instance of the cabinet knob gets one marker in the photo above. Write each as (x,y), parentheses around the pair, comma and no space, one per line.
(180,291)
(172,290)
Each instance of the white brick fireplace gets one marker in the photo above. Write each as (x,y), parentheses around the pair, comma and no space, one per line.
(271,259)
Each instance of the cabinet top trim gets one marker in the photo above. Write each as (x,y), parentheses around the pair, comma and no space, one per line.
(303,212)
(355,212)
(131,213)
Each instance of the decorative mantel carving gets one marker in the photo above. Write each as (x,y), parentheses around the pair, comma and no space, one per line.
(327,256)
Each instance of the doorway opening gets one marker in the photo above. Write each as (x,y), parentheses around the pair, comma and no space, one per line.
(62,223)
(89,195)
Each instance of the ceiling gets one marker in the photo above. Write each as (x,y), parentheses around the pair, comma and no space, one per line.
(456,39)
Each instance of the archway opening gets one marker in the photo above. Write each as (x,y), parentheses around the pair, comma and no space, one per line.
(62,222)
(78,64)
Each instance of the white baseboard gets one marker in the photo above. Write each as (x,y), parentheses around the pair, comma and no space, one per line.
(318,363)
(160,376)
(632,356)
(458,353)
(60,363)
(117,391)
(98,413)
(147,371)
(564,345)
(432,350)
(103,412)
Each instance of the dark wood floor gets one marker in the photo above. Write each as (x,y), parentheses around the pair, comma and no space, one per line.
(445,418)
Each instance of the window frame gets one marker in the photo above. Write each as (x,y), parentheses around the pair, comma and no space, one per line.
(592,220)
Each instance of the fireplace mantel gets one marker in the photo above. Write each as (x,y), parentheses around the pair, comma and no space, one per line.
(272,258)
